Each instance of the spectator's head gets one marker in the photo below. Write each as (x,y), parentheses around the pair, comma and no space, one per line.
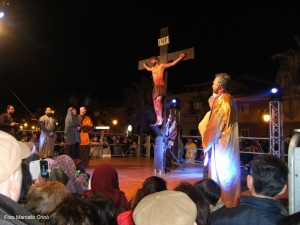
(151,185)
(67,165)
(105,179)
(82,110)
(42,198)
(167,207)
(211,190)
(75,211)
(268,176)
(34,136)
(95,138)
(12,153)
(197,196)
(105,208)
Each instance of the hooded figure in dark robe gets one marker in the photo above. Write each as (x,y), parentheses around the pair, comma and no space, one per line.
(72,138)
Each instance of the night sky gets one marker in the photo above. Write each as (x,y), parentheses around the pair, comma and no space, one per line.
(51,48)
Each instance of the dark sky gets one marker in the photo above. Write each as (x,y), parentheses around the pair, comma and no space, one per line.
(49,48)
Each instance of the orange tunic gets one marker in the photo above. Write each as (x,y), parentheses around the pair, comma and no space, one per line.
(221,136)
(87,126)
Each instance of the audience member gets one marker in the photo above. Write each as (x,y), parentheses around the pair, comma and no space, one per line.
(151,185)
(105,208)
(95,147)
(267,180)
(293,219)
(34,139)
(212,193)
(59,176)
(43,198)
(74,211)
(67,165)
(118,148)
(12,153)
(167,207)
(191,151)
(34,155)
(26,183)
(105,180)
(197,196)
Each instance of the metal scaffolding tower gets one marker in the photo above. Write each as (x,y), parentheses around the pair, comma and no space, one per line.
(276,129)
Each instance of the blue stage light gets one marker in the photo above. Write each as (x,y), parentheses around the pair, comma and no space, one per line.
(274,90)
(175,103)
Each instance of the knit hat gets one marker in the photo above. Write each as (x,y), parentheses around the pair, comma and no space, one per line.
(165,207)
(12,152)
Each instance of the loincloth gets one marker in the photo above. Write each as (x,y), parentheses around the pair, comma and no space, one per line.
(158,90)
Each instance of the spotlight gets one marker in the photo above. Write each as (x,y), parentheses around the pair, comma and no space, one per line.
(274,90)
(1,14)
(175,103)
(275,94)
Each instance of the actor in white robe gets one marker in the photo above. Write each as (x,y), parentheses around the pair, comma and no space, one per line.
(47,140)
(221,137)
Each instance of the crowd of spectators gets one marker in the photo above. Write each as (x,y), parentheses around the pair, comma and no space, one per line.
(65,197)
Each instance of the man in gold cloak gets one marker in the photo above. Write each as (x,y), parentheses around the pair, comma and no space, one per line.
(220,140)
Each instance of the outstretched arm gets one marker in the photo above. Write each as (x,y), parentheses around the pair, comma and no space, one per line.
(181,56)
(147,67)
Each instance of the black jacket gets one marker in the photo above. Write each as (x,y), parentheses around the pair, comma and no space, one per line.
(12,213)
(252,211)
(5,121)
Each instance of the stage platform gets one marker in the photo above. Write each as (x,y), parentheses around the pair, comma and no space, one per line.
(134,170)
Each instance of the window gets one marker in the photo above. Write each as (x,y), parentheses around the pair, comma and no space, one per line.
(244,133)
(244,109)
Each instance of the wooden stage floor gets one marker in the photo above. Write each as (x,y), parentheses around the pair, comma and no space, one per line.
(134,170)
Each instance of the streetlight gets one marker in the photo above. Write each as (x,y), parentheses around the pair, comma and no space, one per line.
(266,118)
(129,129)
(115,123)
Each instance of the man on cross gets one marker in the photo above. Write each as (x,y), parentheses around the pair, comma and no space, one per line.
(159,90)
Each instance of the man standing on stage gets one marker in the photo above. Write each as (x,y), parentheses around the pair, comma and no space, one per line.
(6,121)
(170,141)
(159,89)
(84,144)
(47,140)
(221,136)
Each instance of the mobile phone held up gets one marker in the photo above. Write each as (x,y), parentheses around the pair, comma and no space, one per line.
(44,168)
(39,167)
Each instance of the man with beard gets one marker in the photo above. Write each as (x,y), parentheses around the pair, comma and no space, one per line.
(159,89)
(86,127)
(48,128)
(221,139)
(6,121)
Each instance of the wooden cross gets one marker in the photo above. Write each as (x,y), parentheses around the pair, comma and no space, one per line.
(166,57)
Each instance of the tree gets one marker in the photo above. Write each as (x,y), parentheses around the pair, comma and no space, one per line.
(288,75)
(139,105)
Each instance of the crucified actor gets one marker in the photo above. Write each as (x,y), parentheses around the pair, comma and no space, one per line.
(159,90)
